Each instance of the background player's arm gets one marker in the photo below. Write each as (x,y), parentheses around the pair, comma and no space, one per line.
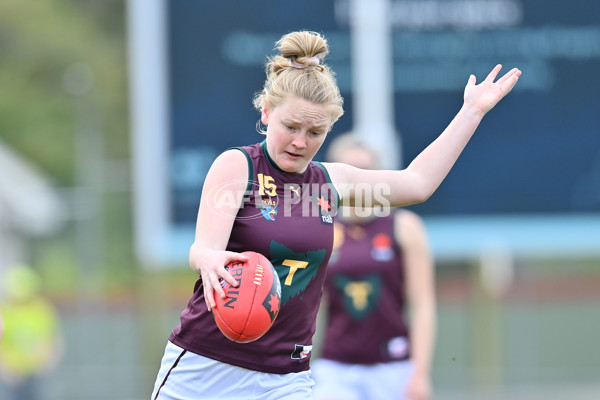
(222,196)
(419,268)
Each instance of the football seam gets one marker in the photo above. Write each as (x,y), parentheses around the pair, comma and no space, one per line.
(254,294)
(224,322)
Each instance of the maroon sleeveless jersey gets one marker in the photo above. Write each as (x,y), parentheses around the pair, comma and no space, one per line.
(288,217)
(365,292)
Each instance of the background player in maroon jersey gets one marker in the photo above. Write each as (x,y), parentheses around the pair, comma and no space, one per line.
(247,203)
(380,267)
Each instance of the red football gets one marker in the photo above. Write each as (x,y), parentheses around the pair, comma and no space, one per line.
(248,310)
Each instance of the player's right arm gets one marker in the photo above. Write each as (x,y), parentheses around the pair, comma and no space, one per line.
(222,196)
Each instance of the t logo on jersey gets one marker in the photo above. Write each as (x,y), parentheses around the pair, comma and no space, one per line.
(296,270)
(360,295)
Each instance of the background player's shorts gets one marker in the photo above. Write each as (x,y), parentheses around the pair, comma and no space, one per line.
(384,381)
(186,375)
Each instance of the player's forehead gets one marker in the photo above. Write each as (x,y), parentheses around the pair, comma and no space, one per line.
(300,111)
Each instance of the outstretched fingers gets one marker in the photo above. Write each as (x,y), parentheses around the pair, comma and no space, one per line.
(510,74)
(509,80)
(488,93)
(493,74)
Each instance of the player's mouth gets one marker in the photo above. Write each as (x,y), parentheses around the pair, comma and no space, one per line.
(293,156)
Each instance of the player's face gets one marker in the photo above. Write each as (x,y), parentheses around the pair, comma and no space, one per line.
(296,129)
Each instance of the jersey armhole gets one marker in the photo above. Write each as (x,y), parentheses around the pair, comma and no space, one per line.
(250,167)
(337,194)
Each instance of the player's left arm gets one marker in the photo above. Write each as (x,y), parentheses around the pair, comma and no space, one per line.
(411,235)
(421,178)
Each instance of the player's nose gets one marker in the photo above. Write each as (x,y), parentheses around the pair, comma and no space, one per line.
(300,140)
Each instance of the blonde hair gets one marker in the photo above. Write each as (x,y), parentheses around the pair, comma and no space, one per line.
(298,71)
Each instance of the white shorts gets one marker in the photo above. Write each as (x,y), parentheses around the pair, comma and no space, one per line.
(384,381)
(185,375)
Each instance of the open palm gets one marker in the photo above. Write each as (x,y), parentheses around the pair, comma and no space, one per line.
(487,94)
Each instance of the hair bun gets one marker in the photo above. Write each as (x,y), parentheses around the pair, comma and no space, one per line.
(299,71)
(303,45)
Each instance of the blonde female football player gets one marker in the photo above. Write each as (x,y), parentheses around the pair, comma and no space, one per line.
(272,198)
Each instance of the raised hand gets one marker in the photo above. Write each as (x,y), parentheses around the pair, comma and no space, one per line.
(488,93)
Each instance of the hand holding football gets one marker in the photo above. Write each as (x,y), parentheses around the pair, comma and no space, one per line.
(248,311)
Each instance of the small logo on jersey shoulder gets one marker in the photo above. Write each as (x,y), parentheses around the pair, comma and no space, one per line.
(301,352)
(324,210)
(294,190)
(382,247)
(326,219)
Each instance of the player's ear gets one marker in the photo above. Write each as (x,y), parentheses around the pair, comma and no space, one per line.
(265,113)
